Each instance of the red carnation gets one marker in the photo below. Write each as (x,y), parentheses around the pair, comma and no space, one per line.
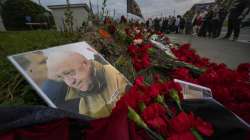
(132,49)
(140,56)
(139,80)
(132,96)
(155,89)
(244,71)
(183,74)
(186,54)
(183,123)
(155,116)
(187,135)
(203,127)
(171,85)
(138,36)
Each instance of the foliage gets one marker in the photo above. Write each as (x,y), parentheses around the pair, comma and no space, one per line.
(14,90)
(14,12)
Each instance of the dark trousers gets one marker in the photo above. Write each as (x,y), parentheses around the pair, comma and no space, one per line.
(188,28)
(205,28)
(177,29)
(233,26)
(215,28)
(220,25)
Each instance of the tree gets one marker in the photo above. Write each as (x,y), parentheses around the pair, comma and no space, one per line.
(15,11)
(68,18)
(1,5)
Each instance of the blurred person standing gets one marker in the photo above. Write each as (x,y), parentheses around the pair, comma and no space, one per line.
(215,21)
(182,24)
(197,21)
(222,16)
(157,24)
(239,9)
(188,23)
(173,24)
(147,23)
(170,23)
(165,25)
(150,22)
(206,26)
(177,24)
(161,24)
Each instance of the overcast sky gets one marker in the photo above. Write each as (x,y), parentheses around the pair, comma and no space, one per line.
(149,8)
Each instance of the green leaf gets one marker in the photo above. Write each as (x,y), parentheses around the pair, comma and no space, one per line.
(174,95)
(134,116)
(142,106)
(196,134)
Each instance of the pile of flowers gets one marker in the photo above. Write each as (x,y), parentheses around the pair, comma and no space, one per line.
(147,104)
(229,87)
(186,54)
(147,107)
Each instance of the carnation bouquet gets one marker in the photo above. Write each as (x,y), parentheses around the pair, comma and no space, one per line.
(154,51)
(148,108)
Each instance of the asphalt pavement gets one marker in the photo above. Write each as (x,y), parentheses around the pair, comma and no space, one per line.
(232,53)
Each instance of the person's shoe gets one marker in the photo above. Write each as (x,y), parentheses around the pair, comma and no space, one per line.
(235,38)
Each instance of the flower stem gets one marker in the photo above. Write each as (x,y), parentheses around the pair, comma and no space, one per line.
(153,134)
(161,100)
(196,134)
(170,113)
(134,116)
(176,98)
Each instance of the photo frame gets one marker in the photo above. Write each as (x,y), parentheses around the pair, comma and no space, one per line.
(73,77)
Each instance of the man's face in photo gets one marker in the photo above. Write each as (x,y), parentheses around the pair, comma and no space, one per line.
(75,71)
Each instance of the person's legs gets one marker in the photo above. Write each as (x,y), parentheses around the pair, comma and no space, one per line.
(229,29)
(203,30)
(215,28)
(220,25)
(167,29)
(236,29)
(210,28)
(190,29)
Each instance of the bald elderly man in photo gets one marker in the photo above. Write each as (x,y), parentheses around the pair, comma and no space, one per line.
(81,85)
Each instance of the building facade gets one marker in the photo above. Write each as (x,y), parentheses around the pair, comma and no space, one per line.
(80,14)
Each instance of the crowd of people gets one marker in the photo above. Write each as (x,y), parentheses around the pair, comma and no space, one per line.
(206,22)
(167,24)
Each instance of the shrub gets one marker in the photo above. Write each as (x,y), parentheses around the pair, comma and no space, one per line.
(14,12)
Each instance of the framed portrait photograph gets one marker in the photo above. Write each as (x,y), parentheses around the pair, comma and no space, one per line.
(73,77)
